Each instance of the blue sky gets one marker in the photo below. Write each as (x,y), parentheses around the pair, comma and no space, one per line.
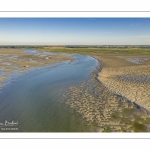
(74,31)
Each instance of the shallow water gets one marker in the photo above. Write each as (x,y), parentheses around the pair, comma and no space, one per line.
(30,51)
(141,78)
(137,60)
(34,98)
(1,73)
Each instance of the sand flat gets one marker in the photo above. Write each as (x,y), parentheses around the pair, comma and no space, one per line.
(127,78)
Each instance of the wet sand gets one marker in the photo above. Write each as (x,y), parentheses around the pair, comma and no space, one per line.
(109,103)
(131,78)
(16,61)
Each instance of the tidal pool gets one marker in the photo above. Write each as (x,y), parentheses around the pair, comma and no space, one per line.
(34,99)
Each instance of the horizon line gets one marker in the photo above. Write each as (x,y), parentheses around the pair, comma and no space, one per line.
(78,45)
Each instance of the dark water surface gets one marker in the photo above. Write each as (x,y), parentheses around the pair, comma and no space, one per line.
(34,98)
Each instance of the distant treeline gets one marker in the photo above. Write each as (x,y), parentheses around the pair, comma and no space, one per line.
(109,46)
(75,46)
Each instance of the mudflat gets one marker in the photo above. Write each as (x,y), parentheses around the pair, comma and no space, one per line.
(116,97)
(17,61)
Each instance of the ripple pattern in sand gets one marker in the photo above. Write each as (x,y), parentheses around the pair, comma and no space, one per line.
(98,105)
(133,82)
